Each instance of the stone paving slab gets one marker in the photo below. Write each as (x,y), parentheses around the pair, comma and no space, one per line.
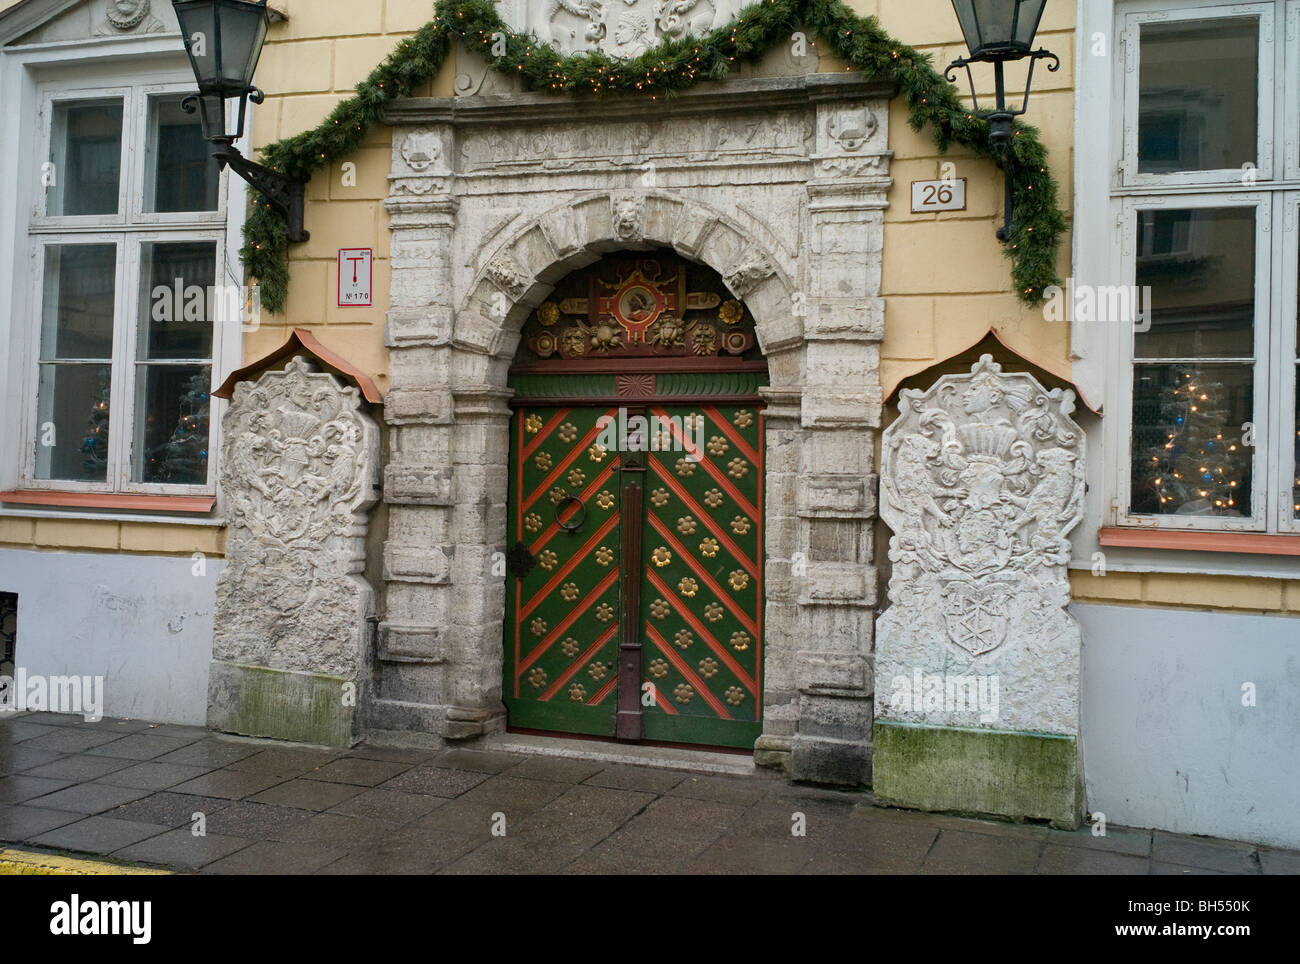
(130,791)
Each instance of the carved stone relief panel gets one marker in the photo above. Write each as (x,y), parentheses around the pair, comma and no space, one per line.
(300,459)
(613,144)
(620,28)
(982,479)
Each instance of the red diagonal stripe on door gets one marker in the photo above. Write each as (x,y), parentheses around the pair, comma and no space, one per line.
(580,662)
(736,438)
(684,668)
(569,566)
(712,469)
(568,460)
(568,621)
(603,691)
(718,649)
(666,476)
(546,534)
(543,434)
(730,603)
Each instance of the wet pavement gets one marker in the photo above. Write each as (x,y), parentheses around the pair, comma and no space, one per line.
(133,791)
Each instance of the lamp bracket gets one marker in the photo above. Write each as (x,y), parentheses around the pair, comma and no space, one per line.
(284,193)
(1002,118)
(1042,53)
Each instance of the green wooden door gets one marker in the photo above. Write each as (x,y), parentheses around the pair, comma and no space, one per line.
(691,566)
(702,590)
(563,588)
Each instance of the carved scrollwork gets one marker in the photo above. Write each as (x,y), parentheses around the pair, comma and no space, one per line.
(982,480)
(299,465)
(507,275)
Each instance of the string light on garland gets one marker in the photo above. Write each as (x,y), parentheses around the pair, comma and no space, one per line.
(666,70)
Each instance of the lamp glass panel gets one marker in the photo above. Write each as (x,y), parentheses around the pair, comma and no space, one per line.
(197,22)
(1031,11)
(243,30)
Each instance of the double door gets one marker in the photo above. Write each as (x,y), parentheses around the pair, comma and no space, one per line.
(634,593)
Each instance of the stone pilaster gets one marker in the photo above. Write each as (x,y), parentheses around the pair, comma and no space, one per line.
(833,577)
(416,638)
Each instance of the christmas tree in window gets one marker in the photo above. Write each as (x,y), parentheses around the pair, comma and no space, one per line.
(1198,463)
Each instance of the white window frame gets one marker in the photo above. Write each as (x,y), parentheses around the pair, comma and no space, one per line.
(1099,352)
(1286,352)
(95,68)
(138,215)
(124,362)
(1263,338)
(1134,16)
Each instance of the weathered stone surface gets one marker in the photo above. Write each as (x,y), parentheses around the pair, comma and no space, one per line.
(1030,775)
(982,478)
(778,184)
(300,459)
(311,708)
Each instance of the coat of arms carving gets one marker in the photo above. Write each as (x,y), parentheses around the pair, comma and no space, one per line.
(982,479)
(299,465)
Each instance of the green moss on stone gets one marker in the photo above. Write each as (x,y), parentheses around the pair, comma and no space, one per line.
(280,705)
(1016,775)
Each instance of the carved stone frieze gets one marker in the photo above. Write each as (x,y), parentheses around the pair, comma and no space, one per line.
(622,29)
(613,144)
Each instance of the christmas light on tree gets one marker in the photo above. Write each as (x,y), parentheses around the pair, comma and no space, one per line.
(1201,466)
(94,447)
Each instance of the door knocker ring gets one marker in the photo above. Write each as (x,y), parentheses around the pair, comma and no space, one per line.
(573,525)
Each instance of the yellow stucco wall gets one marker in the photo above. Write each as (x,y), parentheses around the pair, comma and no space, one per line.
(946,281)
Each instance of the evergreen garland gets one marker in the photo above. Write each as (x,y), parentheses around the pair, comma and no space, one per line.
(672,66)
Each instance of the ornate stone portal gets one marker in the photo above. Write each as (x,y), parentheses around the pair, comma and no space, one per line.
(977,661)
(300,460)
(777,183)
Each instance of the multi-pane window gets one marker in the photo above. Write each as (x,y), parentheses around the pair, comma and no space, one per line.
(128,247)
(1207,191)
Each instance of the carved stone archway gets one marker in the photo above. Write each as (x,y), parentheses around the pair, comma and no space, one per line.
(778,184)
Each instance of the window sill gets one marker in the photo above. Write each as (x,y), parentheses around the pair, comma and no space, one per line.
(1187,541)
(191,504)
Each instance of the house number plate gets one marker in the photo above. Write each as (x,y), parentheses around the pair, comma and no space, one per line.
(947,195)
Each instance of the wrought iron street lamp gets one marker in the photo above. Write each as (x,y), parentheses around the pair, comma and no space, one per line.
(997,31)
(224,41)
